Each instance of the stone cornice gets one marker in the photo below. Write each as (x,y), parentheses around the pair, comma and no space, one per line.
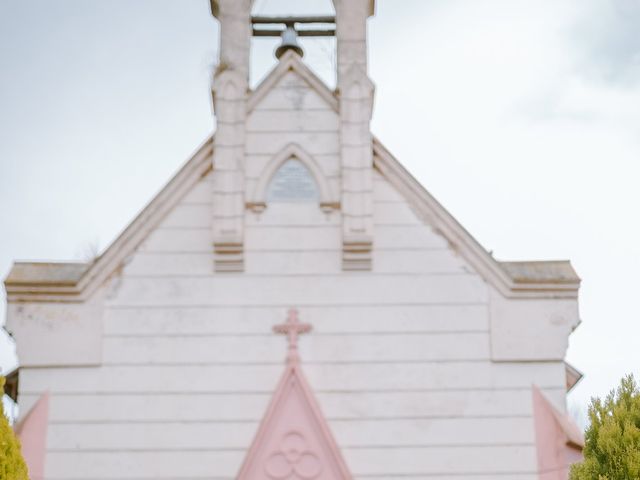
(73,282)
(555,279)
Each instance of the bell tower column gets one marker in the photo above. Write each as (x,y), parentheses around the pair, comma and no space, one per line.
(355,91)
(229,92)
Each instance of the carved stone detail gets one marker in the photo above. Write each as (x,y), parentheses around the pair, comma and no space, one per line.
(293,459)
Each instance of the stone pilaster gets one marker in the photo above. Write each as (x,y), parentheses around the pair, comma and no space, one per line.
(356,105)
(235,33)
(229,92)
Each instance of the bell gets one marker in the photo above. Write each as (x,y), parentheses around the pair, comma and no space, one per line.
(289,42)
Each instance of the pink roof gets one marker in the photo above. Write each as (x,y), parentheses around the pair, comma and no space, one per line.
(293,440)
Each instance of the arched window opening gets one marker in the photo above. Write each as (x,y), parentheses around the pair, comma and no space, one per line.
(292,183)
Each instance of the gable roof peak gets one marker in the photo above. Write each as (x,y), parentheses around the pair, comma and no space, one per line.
(292,62)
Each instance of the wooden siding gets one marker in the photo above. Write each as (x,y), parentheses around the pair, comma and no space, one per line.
(399,357)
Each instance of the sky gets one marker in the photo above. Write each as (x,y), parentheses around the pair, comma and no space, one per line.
(521,117)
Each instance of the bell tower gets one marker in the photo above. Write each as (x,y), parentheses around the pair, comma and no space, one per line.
(354,92)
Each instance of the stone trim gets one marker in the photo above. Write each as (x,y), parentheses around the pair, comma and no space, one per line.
(258,202)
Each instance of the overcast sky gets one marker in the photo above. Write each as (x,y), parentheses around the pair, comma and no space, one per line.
(521,117)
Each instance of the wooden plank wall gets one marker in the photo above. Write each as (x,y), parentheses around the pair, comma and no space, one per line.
(399,357)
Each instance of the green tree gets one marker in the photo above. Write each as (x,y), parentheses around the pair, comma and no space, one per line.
(12,466)
(612,441)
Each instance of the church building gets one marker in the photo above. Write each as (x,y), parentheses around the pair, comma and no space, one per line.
(294,305)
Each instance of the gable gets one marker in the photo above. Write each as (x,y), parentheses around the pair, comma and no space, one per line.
(294,438)
(309,118)
(292,115)
(292,72)
(291,91)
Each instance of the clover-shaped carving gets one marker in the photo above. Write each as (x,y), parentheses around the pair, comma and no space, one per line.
(293,460)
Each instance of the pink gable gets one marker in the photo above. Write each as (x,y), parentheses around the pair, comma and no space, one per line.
(559,442)
(293,441)
(32,432)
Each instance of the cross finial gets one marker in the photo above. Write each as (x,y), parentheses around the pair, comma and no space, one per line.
(292,328)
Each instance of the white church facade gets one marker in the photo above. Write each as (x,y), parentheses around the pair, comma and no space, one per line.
(412,352)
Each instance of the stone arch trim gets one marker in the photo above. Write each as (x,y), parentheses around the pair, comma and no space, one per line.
(258,200)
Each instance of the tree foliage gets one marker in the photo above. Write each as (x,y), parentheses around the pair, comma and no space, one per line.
(12,465)
(612,441)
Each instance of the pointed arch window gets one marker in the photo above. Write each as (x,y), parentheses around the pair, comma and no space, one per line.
(292,183)
(292,175)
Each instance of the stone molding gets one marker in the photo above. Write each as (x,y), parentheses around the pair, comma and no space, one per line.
(434,214)
(35,285)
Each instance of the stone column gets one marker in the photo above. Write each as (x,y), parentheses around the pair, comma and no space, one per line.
(355,91)
(229,93)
